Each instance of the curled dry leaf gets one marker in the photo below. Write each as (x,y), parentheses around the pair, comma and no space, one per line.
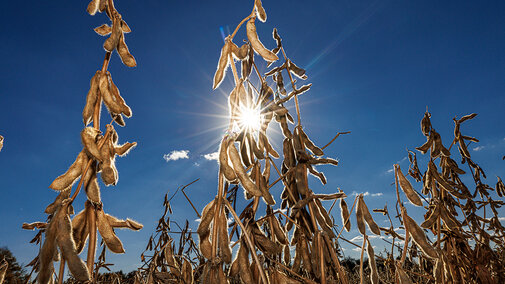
(256,43)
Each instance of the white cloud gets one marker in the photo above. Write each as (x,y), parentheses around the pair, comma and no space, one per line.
(377,194)
(357,249)
(389,171)
(501,218)
(356,239)
(196,164)
(478,148)
(364,193)
(176,155)
(212,156)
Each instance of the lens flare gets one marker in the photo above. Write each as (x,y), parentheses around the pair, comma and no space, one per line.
(250,118)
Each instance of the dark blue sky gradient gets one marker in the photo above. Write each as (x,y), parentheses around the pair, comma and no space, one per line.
(374,65)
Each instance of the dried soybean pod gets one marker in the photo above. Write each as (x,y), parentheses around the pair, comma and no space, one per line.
(243,263)
(206,246)
(1,142)
(71,175)
(224,241)
(111,42)
(109,237)
(260,12)
(80,230)
(289,155)
(64,194)
(222,65)
(90,184)
(226,169)
(67,246)
(206,219)
(304,249)
(125,109)
(309,144)
(344,211)
(374,276)
(426,146)
(125,55)
(287,255)
(265,244)
(430,221)
(360,217)
(89,108)
(263,186)
(302,183)
(187,272)
(103,30)
(112,105)
(278,230)
(368,217)
(256,43)
(297,71)
(418,236)
(93,7)
(239,53)
(407,189)
(245,180)
(244,152)
(246,66)
(401,276)
(89,137)
(47,252)
(234,268)
(426,124)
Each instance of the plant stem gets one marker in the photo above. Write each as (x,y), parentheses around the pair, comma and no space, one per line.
(62,271)
(90,261)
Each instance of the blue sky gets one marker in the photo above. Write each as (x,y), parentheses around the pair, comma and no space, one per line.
(374,65)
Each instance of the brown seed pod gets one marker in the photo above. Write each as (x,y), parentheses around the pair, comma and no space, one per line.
(287,255)
(1,142)
(105,89)
(103,30)
(374,276)
(344,211)
(408,189)
(187,272)
(89,137)
(239,53)
(256,43)
(111,42)
(90,184)
(297,71)
(93,7)
(222,65)
(170,259)
(89,108)
(418,236)
(243,263)
(224,241)
(278,230)
(244,179)
(80,229)
(64,194)
(67,179)
(125,55)
(109,172)
(309,144)
(226,169)
(426,124)
(401,275)
(109,237)
(207,216)
(302,183)
(260,12)
(362,212)
(125,109)
(304,250)
(119,223)
(67,246)
(125,28)
(246,66)
(433,217)
(264,244)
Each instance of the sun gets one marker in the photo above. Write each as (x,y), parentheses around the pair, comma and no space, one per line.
(249,118)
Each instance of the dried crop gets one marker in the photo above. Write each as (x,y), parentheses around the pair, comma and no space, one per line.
(64,238)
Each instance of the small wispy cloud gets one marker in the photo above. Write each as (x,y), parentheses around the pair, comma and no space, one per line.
(176,155)
(501,218)
(478,148)
(389,171)
(377,194)
(212,156)
(366,193)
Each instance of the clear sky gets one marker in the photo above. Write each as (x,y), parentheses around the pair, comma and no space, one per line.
(374,65)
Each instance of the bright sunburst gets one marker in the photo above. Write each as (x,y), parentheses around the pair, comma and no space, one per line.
(249,118)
